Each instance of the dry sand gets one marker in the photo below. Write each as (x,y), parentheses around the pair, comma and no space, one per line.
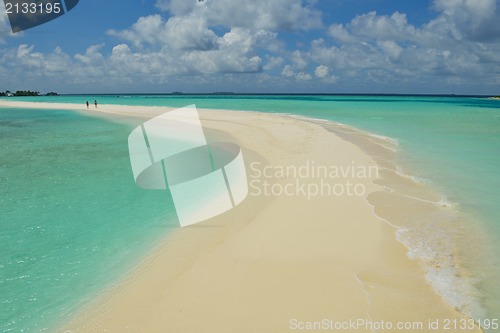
(274,261)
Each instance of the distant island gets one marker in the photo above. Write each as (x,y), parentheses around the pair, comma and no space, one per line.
(223,93)
(26,93)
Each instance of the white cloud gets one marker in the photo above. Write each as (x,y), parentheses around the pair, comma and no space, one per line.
(272,15)
(387,48)
(287,71)
(477,19)
(461,45)
(304,76)
(27,65)
(147,30)
(299,60)
(124,65)
(154,48)
(339,33)
(92,55)
(190,32)
(273,62)
(187,45)
(321,71)
(371,25)
(235,54)
(391,49)
(247,40)
(23,51)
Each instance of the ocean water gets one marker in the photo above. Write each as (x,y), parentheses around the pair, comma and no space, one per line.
(72,218)
(450,143)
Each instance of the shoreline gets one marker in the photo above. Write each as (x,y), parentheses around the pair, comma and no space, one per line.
(383,278)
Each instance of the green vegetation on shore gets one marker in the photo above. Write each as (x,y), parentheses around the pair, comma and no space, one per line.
(26,93)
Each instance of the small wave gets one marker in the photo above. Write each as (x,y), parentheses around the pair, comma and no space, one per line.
(306,118)
(459,291)
(444,202)
(442,270)
(392,141)
(432,239)
(402,172)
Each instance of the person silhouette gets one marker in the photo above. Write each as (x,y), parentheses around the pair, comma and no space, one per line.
(95,103)
(87,104)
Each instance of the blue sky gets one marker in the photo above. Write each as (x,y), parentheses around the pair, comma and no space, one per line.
(328,46)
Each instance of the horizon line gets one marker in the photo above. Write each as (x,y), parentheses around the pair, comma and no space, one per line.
(267,94)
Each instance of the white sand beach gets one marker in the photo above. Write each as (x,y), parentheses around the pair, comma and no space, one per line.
(277,262)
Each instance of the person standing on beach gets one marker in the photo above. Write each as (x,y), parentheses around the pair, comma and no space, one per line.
(95,103)
(87,105)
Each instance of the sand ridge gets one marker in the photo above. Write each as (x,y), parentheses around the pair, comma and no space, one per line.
(274,261)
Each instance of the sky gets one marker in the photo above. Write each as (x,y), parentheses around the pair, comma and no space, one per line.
(271,46)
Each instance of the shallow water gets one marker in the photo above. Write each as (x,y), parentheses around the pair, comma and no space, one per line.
(449,143)
(73,219)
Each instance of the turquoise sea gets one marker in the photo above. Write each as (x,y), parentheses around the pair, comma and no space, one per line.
(73,220)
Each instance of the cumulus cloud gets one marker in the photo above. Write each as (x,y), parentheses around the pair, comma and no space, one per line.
(289,72)
(273,62)
(145,31)
(476,19)
(304,76)
(233,55)
(26,65)
(299,60)
(204,39)
(186,42)
(391,49)
(387,48)
(190,33)
(321,71)
(186,33)
(371,25)
(272,15)
(340,34)
(155,47)
(55,62)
